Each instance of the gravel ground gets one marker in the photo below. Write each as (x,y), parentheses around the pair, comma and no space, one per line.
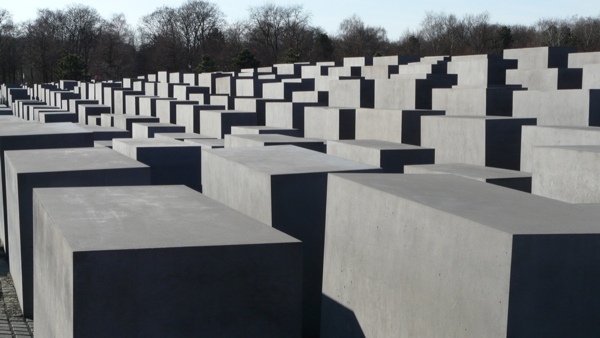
(12,322)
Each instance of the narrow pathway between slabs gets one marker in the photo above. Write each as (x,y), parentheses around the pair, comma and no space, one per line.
(12,322)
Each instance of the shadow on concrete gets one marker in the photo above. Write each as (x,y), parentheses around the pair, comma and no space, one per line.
(338,320)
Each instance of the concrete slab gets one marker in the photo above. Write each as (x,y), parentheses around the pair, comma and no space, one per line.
(284,187)
(189,115)
(570,107)
(512,179)
(390,156)
(126,121)
(264,130)
(479,140)
(495,262)
(170,161)
(166,110)
(29,169)
(181,136)
(206,143)
(264,140)
(31,135)
(330,123)
(106,133)
(197,264)
(147,130)
(217,123)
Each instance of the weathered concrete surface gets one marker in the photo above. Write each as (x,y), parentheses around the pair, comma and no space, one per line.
(117,250)
(181,136)
(330,123)
(32,135)
(571,107)
(567,173)
(288,188)
(260,130)
(29,169)
(148,129)
(389,156)
(480,140)
(189,115)
(206,143)
(554,136)
(126,121)
(512,179)
(170,161)
(264,140)
(402,126)
(217,123)
(540,57)
(496,101)
(441,255)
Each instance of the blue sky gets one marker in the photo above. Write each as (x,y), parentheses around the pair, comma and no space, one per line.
(394,15)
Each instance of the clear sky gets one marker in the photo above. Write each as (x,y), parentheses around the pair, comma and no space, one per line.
(394,15)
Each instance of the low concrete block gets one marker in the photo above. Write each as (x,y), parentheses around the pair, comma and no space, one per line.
(189,115)
(217,123)
(192,272)
(147,130)
(330,123)
(126,121)
(86,110)
(263,140)
(29,169)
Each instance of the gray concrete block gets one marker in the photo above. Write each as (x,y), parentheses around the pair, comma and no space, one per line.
(148,129)
(330,123)
(217,123)
(206,143)
(264,130)
(182,92)
(441,255)
(166,110)
(215,273)
(546,79)
(170,161)
(571,107)
(287,186)
(255,105)
(264,140)
(410,92)
(101,133)
(87,110)
(481,70)
(352,93)
(540,57)
(579,60)
(591,77)
(402,126)
(189,115)
(512,179)
(389,156)
(493,101)
(126,121)
(148,104)
(567,173)
(54,116)
(554,136)
(288,114)
(480,140)
(222,100)
(29,135)
(29,169)
(74,104)
(181,136)
(132,104)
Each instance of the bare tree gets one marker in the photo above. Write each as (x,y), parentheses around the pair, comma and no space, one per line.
(357,39)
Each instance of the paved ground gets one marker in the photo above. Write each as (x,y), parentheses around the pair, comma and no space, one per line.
(12,322)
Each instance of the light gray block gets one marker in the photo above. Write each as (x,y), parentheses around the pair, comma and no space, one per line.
(264,130)
(56,116)
(567,173)
(441,255)
(147,130)
(86,110)
(29,169)
(571,107)
(352,93)
(554,136)
(540,57)
(206,143)
(29,135)
(284,187)
(212,273)
(181,136)
(512,179)
(389,156)
(479,140)
(217,123)
(189,115)
(263,140)
(546,79)
(288,114)
(148,104)
(493,101)
(330,123)
(170,161)
(166,110)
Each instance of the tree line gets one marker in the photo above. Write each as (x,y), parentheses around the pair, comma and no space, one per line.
(78,43)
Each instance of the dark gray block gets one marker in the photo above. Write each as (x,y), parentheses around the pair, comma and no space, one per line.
(284,187)
(29,169)
(179,263)
(390,156)
(441,255)
(512,179)
(31,135)
(170,161)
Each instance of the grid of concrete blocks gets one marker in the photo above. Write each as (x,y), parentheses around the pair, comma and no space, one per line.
(387,196)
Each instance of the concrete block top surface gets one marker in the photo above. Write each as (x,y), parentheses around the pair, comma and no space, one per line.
(68,159)
(577,148)
(505,210)
(150,142)
(181,136)
(378,144)
(32,128)
(206,143)
(286,159)
(481,118)
(142,217)
(95,128)
(466,170)
(275,138)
